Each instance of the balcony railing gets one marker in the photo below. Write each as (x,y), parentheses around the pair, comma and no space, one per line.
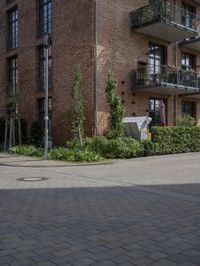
(9,2)
(165,76)
(165,12)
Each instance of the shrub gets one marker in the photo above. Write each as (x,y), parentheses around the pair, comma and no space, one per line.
(98,144)
(176,139)
(123,148)
(27,151)
(111,148)
(36,133)
(186,121)
(70,155)
(151,148)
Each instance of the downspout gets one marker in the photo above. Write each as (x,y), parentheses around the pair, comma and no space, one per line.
(175,97)
(176,63)
(96,98)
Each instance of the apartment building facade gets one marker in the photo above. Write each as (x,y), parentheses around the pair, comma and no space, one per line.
(152,48)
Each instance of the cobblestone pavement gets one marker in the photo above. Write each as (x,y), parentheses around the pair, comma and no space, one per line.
(136,212)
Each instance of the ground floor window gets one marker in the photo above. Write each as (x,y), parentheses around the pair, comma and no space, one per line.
(158,111)
(189,108)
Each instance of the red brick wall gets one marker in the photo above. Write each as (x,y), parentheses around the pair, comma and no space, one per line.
(119,50)
(73,44)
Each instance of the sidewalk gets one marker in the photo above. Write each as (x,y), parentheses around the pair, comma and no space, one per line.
(15,160)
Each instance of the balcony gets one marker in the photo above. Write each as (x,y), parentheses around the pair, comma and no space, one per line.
(165,21)
(166,80)
(192,43)
(9,2)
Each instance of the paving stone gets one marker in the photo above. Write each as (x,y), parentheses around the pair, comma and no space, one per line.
(136,212)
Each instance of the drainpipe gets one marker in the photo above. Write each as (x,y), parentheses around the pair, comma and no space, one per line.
(175,97)
(176,63)
(96,100)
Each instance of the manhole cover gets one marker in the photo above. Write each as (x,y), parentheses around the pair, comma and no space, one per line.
(32,179)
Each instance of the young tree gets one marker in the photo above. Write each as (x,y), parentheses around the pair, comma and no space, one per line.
(117,112)
(77,114)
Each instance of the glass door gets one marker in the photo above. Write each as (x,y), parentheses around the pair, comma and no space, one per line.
(158,111)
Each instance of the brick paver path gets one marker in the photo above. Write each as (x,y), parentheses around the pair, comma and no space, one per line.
(138,212)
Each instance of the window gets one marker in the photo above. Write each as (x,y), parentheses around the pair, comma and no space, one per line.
(45,16)
(156,58)
(188,61)
(189,108)
(12,29)
(188,15)
(12,75)
(158,111)
(41,80)
(41,108)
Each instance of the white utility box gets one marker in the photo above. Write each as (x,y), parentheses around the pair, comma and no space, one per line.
(137,127)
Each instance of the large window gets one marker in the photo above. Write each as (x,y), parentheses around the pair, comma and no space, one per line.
(188,61)
(12,29)
(12,75)
(41,80)
(189,108)
(156,58)
(45,16)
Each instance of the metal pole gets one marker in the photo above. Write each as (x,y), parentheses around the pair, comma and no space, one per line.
(46,116)
(96,70)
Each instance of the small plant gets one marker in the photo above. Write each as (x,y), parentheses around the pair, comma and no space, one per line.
(186,121)
(77,114)
(74,155)
(116,109)
(27,151)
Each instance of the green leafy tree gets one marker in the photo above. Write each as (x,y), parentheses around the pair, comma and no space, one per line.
(117,112)
(77,114)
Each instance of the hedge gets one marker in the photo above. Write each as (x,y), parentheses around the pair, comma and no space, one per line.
(166,140)
(175,139)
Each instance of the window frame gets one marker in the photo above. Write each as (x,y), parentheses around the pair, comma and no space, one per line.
(13,29)
(193,106)
(12,75)
(44,21)
(41,68)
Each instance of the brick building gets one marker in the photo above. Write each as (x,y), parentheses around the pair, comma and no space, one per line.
(152,47)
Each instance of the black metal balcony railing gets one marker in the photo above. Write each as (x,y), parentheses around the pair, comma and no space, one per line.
(164,11)
(168,77)
(9,2)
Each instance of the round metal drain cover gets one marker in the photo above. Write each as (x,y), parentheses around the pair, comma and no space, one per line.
(32,179)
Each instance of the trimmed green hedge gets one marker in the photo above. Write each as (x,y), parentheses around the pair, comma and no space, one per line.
(173,139)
